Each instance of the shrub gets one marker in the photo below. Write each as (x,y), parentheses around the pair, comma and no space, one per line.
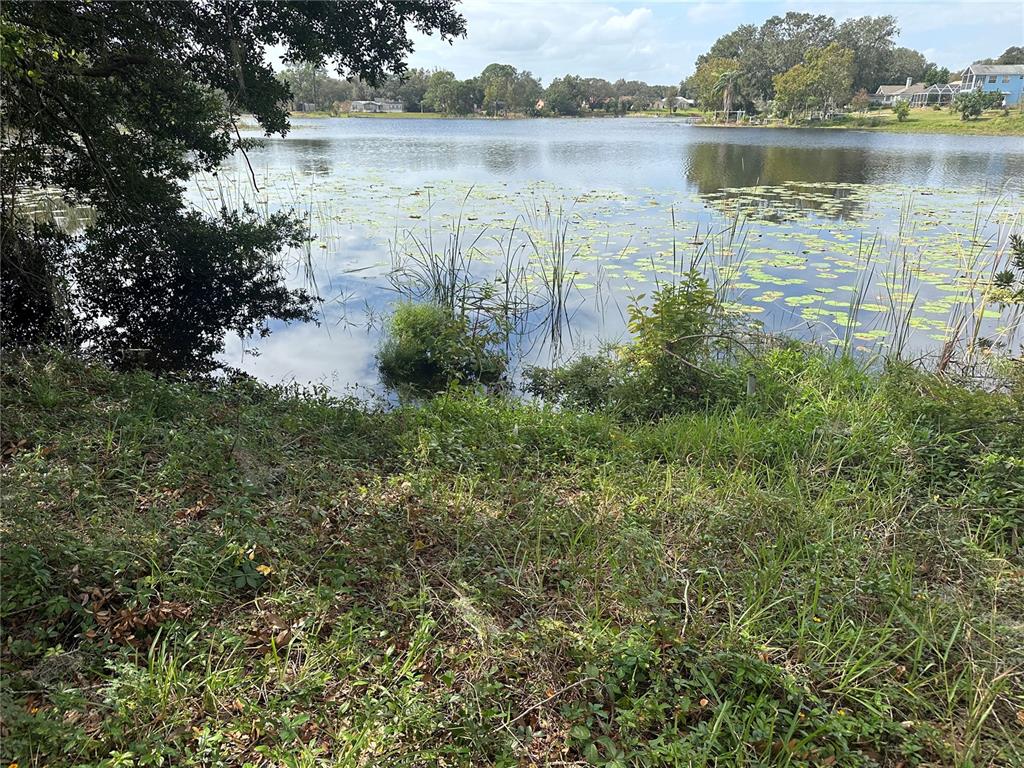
(861,101)
(972,103)
(428,348)
(160,296)
(588,383)
(675,361)
(173,290)
(902,110)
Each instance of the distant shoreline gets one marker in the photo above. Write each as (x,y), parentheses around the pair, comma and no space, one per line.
(441,116)
(921,121)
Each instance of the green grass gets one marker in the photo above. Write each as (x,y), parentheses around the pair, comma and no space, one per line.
(922,120)
(396,115)
(928,120)
(692,112)
(193,574)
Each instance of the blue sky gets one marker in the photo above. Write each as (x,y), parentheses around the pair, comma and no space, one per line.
(658,41)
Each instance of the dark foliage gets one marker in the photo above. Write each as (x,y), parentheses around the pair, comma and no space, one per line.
(173,292)
(33,262)
(116,105)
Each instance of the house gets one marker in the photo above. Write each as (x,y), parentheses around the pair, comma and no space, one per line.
(888,94)
(1007,79)
(376,106)
(676,102)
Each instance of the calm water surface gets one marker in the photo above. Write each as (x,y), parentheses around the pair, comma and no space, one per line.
(792,221)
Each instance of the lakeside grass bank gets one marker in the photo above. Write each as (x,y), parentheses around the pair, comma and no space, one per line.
(827,574)
(924,120)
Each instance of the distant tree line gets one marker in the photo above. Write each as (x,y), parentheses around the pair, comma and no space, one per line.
(500,89)
(1012,55)
(788,64)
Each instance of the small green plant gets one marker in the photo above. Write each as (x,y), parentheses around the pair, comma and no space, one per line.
(587,383)
(1012,279)
(676,341)
(428,348)
(902,110)
(673,362)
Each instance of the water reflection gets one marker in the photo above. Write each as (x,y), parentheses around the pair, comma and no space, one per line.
(711,167)
(509,157)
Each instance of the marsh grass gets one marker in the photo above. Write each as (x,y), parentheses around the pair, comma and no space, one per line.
(826,574)
(548,233)
(979,300)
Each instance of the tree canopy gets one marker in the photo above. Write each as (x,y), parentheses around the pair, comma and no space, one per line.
(822,80)
(764,52)
(116,105)
(1012,55)
(708,84)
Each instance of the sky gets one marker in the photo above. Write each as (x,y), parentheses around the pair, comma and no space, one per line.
(658,41)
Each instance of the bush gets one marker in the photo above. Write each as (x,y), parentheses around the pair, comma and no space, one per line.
(681,343)
(972,103)
(171,291)
(902,110)
(588,383)
(158,291)
(428,348)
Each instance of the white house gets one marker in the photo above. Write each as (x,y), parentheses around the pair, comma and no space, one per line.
(677,102)
(376,106)
(887,94)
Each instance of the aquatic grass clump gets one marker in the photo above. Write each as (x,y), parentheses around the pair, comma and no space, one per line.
(554,252)
(448,276)
(426,349)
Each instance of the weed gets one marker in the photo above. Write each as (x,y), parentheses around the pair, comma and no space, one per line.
(827,572)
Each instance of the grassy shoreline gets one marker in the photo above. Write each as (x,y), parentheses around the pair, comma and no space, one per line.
(829,574)
(920,121)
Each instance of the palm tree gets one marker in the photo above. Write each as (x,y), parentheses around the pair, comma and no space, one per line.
(729,84)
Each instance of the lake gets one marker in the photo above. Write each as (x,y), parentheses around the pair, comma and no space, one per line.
(791,225)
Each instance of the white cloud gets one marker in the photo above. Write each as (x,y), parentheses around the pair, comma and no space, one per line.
(618,25)
(707,11)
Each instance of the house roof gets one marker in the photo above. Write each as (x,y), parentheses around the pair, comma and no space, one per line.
(900,90)
(996,69)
